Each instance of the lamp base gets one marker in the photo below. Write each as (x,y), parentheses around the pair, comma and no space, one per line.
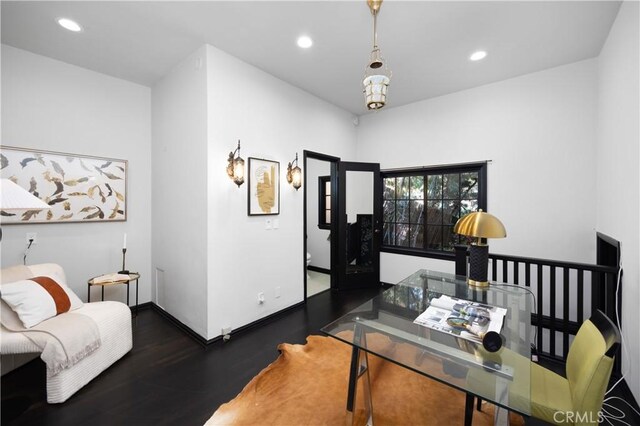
(478,265)
(475,283)
(125,272)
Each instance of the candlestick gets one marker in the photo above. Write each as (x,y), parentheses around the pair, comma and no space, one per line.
(124,253)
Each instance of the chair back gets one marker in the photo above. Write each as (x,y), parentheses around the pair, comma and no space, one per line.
(589,365)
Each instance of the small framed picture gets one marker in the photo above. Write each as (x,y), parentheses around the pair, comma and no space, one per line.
(264,187)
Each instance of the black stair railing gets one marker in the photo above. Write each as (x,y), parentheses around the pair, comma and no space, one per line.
(566,294)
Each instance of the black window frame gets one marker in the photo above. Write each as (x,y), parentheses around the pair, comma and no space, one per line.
(322,205)
(480,168)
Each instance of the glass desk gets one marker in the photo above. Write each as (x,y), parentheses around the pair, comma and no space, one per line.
(501,377)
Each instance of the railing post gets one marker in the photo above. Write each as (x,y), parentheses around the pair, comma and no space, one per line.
(461,259)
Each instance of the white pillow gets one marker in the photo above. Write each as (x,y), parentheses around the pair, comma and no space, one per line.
(39,298)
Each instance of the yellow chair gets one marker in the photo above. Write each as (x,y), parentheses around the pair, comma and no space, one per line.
(576,399)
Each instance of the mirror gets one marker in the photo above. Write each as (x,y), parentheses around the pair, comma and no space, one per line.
(359,209)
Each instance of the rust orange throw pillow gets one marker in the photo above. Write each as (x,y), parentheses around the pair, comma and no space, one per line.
(39,298)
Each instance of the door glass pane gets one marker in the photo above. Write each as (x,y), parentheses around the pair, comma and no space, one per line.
(359,229)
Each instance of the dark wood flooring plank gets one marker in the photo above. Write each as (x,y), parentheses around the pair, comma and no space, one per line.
(168,378)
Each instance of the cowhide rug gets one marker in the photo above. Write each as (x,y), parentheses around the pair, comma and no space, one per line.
(307,385)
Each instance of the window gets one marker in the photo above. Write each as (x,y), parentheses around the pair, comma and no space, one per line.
(421,206)
(324,202)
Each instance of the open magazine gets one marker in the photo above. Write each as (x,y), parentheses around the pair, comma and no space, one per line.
(462,318)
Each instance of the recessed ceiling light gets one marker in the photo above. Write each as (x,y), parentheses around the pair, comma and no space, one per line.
(305,42)
(476,56)
(70,25)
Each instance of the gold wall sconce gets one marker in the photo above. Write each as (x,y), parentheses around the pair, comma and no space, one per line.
(235,166)
(479,225)
(294,174)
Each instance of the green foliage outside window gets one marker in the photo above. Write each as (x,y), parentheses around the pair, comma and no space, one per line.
(420,208)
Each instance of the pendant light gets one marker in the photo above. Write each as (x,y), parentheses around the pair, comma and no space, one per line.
(376,76)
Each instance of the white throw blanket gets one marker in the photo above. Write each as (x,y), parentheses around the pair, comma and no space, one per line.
(64,339)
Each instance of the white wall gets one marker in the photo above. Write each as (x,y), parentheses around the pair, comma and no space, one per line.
(274,120)
(617,202)
(318,244)
(180,191)
(539,132)
(50,105)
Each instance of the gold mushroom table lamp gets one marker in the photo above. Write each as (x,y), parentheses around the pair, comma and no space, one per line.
(479,225)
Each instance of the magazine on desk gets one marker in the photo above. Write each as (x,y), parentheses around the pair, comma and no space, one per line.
(462,318)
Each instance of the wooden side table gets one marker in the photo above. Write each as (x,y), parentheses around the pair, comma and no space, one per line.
(133,276)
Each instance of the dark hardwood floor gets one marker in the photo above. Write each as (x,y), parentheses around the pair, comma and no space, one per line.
(168,378)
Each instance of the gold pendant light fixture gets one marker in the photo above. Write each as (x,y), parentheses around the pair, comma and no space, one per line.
(376,76)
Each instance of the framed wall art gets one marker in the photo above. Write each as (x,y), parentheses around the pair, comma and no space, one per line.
(264,187)
(78,188)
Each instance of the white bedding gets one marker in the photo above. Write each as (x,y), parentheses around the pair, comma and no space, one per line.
(114,324)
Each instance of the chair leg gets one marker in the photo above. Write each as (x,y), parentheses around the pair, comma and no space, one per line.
(479,404)
(468,410)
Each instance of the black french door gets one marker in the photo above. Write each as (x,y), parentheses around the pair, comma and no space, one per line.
(359,226)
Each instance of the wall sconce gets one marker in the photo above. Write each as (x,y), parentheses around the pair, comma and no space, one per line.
(294,174)
(235,166)
(479,225)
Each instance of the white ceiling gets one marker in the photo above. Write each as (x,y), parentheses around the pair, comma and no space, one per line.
(425,43)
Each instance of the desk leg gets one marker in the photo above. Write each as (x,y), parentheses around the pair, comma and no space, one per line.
(88,293)
(128,295)
(501,415)
(102,292)
(359,369)
(468,410)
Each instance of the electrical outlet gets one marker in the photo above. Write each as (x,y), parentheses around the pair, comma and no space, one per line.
(267,224)
(226,330)
(32,236)
(260,298)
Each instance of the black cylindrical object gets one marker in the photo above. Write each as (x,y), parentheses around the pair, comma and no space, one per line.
(478,263)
